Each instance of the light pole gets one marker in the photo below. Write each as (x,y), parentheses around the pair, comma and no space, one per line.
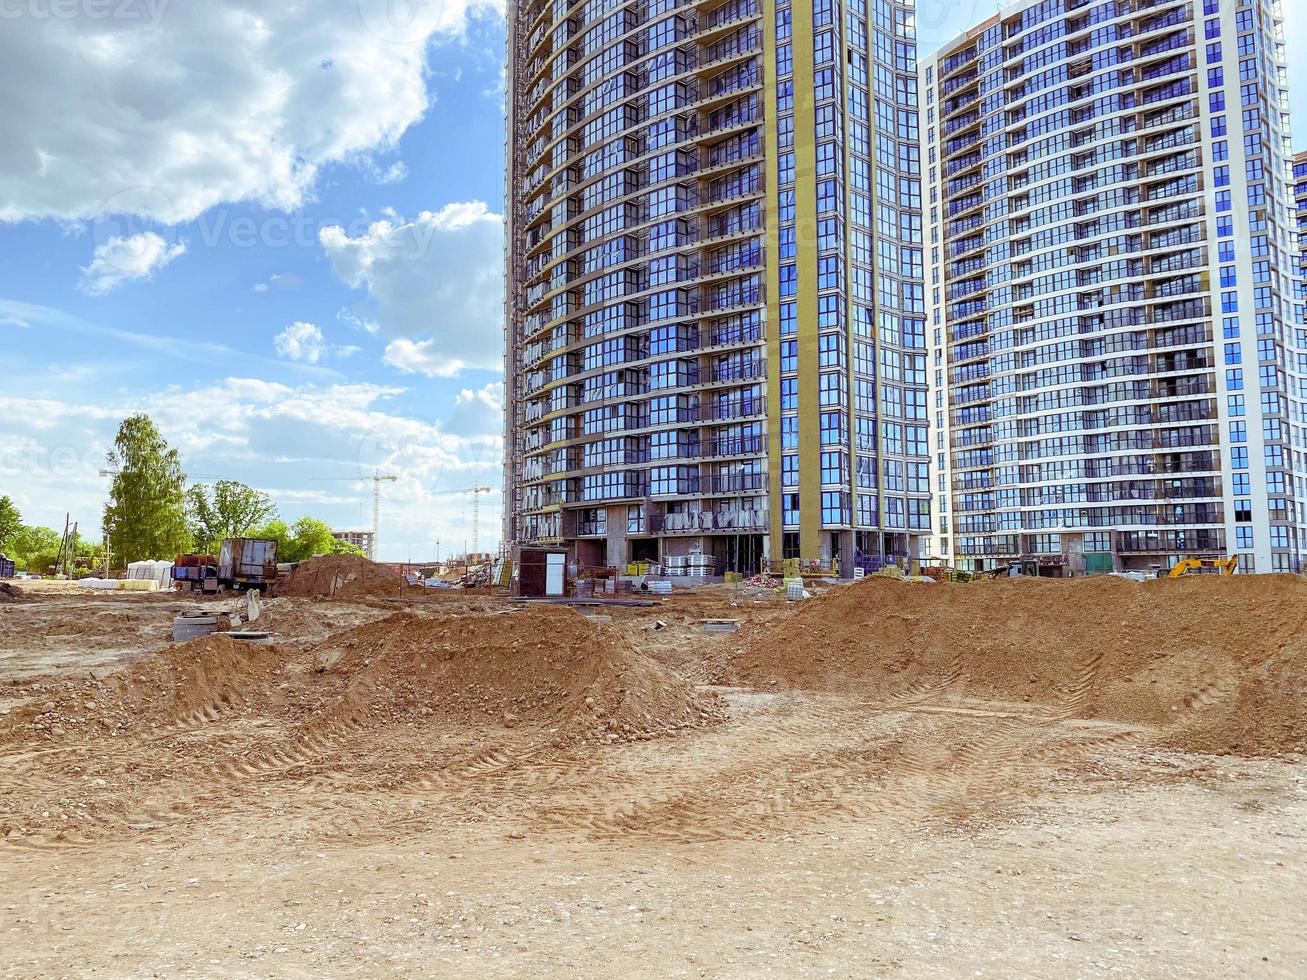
(105,531)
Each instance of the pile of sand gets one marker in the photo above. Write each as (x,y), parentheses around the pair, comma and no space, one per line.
(12,593)
(543,668)
(188,682)
(300,623)
(1217,663)
(341,577)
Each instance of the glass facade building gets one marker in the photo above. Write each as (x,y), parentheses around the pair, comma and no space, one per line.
(715,318)
(1116,352)
(1300,207)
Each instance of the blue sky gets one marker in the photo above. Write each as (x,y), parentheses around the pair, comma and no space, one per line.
(276,229)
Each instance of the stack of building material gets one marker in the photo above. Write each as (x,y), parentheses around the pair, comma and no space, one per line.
(691,566)
(120,584)
(160,572)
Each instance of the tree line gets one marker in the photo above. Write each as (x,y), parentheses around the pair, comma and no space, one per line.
(153,512)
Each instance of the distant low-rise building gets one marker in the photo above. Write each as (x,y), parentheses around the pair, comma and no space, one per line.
(360,539)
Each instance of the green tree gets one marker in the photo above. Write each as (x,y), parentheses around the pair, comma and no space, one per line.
(306,538)
(309,537)
(33,548)
(275,530)
(10,521)
(225,510)
(146,513)
(339,547)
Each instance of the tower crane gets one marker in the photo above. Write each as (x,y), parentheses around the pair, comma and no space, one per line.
(475,490)
(377,479)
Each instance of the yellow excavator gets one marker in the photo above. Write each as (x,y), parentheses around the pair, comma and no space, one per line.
(1205,566)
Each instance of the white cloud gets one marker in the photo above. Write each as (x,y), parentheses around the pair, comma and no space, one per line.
(491,396)
(305,342)
(393,174)
(188,349)
(357,322)
(478,413)
(420,357)
(120,260)
(269,435)
(13,321)
(436,283)
(301,342)
(216,102)
(278,280)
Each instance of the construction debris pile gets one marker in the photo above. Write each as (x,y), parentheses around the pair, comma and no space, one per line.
(1218,665)
(341,577)
(543,668)
(478,577)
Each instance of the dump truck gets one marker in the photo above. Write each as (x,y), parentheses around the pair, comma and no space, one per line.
(247,563)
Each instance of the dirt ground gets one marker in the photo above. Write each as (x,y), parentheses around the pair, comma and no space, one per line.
(171,811)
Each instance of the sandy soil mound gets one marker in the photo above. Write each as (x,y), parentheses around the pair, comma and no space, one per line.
(544,667)
(1262,712)
(341,577)
(301,623)
(190,681)
(1218,662)
(12,593)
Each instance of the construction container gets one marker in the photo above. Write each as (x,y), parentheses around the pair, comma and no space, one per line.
(542,573)
(247,563)
(7,569)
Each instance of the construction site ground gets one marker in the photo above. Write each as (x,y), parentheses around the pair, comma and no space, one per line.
(838,788)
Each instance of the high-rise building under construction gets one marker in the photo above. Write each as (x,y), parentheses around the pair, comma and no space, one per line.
(1117,360)
(715,315)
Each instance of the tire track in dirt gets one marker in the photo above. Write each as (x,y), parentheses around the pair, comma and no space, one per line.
(782,768)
